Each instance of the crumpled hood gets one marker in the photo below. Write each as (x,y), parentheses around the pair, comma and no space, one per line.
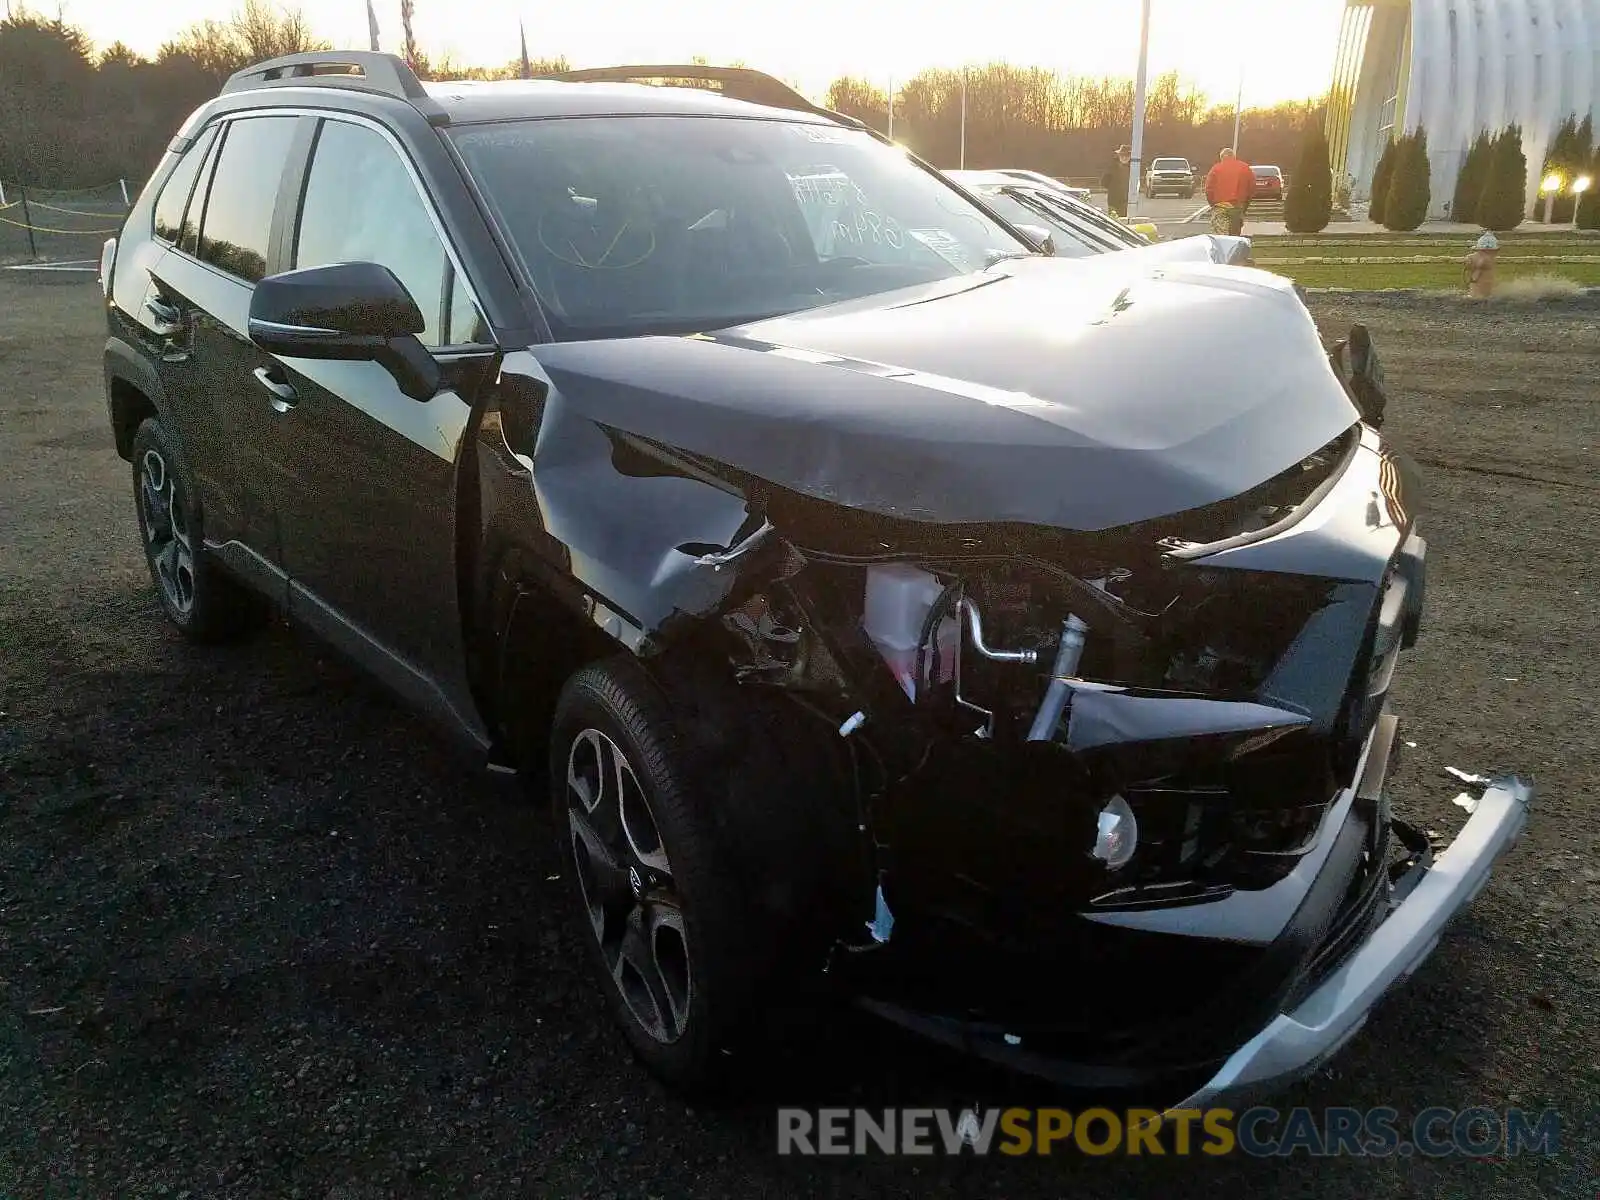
(1082,394)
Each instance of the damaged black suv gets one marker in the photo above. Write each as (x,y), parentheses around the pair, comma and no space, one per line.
(884,602)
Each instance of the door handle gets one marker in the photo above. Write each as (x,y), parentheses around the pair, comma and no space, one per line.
(282,391)
(168,320)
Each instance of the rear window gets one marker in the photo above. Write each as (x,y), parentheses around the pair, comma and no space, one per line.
(1267,172)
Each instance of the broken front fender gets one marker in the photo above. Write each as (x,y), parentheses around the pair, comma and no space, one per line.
(630,535)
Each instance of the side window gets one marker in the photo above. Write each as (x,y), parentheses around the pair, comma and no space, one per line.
(238,218)
(466,323)
(189,243)
(175,192)
(361,205)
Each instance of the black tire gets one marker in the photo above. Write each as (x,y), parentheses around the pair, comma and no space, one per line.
(196,595)
(697,902)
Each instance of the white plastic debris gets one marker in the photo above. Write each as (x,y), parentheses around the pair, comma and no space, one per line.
(1467,802)
(1468,777)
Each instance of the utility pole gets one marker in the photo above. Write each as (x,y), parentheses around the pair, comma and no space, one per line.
(964,114)
(891,108)
(1134,170)
(1238,109)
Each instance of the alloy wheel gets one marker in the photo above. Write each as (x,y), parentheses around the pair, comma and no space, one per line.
(635,911)
(166,531)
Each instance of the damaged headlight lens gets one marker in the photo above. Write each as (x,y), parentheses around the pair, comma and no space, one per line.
(1117,834)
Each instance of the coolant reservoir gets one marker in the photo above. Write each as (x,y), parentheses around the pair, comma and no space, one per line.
(898,600)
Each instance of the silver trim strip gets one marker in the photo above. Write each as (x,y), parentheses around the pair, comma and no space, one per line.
(306,331)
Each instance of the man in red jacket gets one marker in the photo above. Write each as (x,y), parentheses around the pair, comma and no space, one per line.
(1229,186)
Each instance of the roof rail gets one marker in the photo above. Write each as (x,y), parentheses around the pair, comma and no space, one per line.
(360,70)
(737,83)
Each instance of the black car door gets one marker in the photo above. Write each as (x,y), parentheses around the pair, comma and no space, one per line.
(365,477)
(201,291)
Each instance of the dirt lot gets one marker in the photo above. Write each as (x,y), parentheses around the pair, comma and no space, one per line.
(260,935)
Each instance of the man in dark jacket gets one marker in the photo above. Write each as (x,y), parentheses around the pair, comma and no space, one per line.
(1115,181)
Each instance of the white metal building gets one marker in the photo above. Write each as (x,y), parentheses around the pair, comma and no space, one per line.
(1457,68)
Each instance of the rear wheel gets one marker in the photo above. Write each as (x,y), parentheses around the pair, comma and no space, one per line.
(662,914)
(203,602)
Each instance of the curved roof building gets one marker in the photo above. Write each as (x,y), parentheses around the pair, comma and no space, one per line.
(1456,68)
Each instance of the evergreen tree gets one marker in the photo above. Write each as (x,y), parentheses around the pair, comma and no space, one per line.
(1505,189)
(1564,158)
(1410,190)
(1309,204)
(1589,209)
(1469,184)
(1381,176)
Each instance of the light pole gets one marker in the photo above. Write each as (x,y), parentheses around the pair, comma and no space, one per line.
(1138,105)
(1580,185)
(891,108)
(1238,109)
(1550,185)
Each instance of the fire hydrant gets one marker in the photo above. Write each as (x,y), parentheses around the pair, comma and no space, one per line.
(1480,267)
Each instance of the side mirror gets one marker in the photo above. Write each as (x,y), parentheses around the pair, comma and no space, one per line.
(1355,362)
(1040,237)
(347,311)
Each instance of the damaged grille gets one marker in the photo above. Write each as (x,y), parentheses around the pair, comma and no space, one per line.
(1262,506)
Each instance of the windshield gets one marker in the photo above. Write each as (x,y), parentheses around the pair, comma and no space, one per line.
(644,224)
(1170,164)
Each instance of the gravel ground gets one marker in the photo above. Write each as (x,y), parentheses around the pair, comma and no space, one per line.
(261,935)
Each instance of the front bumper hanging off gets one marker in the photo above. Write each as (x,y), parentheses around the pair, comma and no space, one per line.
(1295,1043)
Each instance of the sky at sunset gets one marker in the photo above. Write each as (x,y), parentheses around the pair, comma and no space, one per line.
(1285,46)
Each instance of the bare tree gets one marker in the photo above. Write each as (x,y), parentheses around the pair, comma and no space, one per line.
(265,30)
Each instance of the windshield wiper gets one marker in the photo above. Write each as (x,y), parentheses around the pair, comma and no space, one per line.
(993,257)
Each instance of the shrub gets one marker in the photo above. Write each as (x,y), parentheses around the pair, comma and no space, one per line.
(1469,184)
(1589,210)
(1568,156)
(1410,189)
(1381,176)
(1309,205)
(1505,188)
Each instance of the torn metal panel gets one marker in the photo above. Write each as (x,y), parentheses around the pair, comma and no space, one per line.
(626,538)
(1103,715)
(624,531)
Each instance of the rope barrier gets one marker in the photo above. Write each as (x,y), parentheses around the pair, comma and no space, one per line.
(99,187)
(71,212)
(47,229)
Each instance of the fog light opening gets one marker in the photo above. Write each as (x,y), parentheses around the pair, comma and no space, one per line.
(1117,834)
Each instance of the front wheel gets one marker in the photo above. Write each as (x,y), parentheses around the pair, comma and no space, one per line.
(656,902)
